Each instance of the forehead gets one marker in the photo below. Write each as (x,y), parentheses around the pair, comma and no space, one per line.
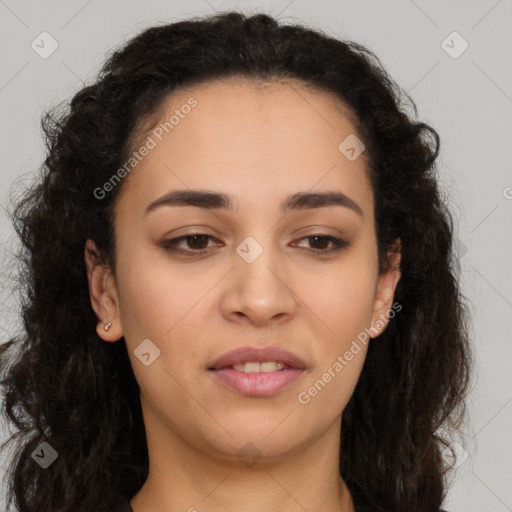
(247,136)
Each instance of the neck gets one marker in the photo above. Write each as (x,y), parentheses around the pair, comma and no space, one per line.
(184,478)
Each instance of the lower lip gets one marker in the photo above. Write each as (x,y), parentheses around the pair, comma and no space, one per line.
(258,384)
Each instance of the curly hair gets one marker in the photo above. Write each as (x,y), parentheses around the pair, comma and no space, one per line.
(64,386)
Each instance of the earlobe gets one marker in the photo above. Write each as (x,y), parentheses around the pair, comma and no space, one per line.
(386,291)
(103,294)
(102,329)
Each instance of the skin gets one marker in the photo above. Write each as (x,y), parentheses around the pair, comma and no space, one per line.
(258,143)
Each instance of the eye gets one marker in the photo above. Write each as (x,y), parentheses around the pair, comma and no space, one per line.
(323,240)
(196,243)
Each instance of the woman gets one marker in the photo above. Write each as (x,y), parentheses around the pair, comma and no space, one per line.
(240,287)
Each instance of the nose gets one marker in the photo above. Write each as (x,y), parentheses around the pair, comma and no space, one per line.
(259,292)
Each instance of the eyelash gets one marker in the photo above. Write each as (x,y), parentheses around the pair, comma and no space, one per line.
(170,245)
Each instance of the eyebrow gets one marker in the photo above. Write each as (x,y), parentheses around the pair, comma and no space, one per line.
(218,200)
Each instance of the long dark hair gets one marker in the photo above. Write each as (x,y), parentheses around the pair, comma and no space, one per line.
(66,387)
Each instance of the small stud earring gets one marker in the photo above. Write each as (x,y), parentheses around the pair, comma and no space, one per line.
(107,326)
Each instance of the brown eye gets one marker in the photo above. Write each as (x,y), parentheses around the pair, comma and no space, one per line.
(197,240)
(323,241)
(195,243)
(320,240)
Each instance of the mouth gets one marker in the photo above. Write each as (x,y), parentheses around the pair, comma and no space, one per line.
(253,359)
(256,367)
(257,372)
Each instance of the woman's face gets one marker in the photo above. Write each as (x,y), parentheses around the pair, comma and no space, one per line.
(252,279)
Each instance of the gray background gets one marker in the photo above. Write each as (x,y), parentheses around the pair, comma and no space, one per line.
(468,99)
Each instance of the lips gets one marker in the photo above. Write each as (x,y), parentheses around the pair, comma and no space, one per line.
(260,355)
(271,370)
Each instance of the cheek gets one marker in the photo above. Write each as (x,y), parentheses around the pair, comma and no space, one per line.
(167,305)
(155,296)
(342,301)
(343,315)
(340,298)
(162,307)
(323,397)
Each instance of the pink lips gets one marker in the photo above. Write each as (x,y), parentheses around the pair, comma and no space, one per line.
(257,384)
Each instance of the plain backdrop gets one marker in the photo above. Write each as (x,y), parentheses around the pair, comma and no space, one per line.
(453,57)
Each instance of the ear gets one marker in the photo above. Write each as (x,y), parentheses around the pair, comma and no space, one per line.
(103,294)
(385,291)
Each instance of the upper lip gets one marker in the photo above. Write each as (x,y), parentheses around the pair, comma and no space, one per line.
(256,354)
